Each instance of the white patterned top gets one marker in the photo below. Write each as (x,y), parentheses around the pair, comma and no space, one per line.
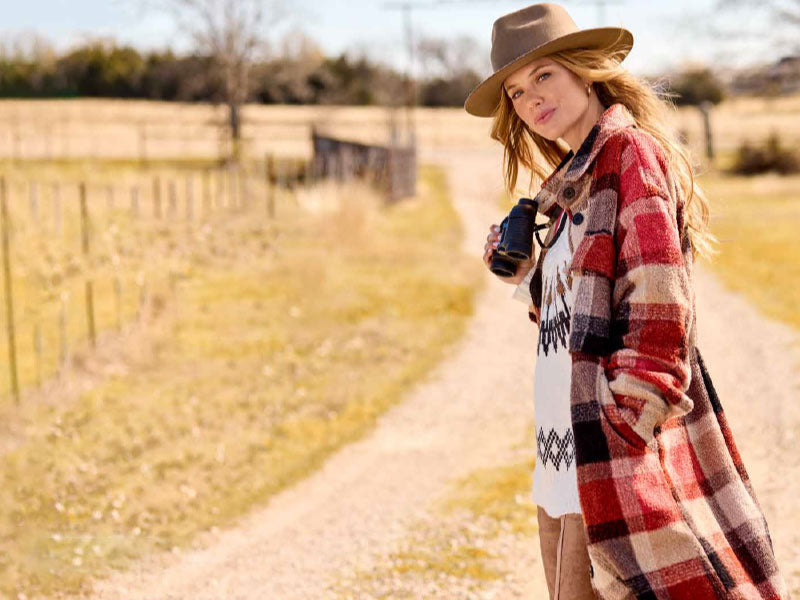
(555,486)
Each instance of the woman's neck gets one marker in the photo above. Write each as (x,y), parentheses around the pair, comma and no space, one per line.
(578,133)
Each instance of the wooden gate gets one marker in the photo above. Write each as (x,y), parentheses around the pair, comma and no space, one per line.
(392,169)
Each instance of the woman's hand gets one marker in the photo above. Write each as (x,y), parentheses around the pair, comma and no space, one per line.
(491,243)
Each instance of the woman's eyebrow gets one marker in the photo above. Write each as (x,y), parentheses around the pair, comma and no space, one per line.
(513,85)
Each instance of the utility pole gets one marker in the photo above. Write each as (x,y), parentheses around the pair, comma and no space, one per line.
(411,80)
(410,83)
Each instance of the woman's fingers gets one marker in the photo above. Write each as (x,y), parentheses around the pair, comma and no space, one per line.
(491,243)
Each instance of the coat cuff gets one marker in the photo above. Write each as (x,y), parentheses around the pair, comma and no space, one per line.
(644,425)
(644,406)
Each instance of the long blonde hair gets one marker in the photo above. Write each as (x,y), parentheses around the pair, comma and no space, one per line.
(649,108)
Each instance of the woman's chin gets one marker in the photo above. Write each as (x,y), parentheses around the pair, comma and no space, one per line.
(549,136)
(549,133)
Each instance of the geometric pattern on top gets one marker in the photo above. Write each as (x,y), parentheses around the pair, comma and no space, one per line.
(555,448)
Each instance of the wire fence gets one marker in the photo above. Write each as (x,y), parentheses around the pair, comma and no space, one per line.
(82,258)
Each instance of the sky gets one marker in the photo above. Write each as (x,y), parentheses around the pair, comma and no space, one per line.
(667,34)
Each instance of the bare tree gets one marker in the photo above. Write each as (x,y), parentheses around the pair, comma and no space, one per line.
(232,33)
(27,45)
(445,57)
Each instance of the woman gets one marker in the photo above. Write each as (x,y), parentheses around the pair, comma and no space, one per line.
(641,492)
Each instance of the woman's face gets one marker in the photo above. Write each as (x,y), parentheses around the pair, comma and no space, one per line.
(548,97)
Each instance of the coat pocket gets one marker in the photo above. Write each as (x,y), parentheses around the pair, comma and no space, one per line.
(613,416)
(595,254)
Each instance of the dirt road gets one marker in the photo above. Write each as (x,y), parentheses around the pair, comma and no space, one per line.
(470,413)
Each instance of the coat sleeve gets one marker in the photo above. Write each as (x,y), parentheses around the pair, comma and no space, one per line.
(650,373)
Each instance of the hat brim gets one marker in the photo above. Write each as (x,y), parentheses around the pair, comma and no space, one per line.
(483,100)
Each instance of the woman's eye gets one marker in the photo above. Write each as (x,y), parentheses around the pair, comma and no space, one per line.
(542,75)
(516,95)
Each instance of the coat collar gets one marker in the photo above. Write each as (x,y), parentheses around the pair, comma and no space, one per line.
(613,119)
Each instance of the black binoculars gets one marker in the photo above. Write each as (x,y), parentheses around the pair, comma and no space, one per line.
(516,238)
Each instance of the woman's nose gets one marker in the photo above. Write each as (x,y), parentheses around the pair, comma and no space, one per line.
(534,102)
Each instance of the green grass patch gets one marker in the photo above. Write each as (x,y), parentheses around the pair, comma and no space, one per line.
(283,342)
(756,220)
(500,493)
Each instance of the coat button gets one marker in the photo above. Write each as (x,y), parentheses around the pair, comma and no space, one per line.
(569,192)
(577,218)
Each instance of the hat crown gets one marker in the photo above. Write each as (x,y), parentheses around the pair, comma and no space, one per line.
(532,32)
(517,33)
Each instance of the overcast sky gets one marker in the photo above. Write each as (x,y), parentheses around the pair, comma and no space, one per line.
(667,34)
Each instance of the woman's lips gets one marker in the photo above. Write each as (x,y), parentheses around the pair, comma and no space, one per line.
(545,116)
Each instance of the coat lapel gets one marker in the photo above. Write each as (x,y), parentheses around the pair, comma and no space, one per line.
(554,196)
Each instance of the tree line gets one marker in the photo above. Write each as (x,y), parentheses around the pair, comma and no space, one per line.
(102,68)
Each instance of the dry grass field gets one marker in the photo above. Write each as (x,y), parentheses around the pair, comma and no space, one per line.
(757,220)
(133,130)
(143,229)
(226,398)
(278,342)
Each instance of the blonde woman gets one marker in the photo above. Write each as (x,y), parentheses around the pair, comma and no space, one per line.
(641,492)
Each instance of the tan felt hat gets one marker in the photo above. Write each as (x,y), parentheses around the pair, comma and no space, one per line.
(529,33)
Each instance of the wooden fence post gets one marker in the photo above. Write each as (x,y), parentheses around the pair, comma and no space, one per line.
(156,197)
(34,198)
(85,247)
(220,189)
(62,329)
(12,344)
(189,197)
(705,112)
(270,167)
(142,283)
(173,199)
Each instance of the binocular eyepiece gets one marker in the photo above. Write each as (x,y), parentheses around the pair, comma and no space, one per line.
(516,238)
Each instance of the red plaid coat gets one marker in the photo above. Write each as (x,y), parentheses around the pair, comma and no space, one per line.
(668,507)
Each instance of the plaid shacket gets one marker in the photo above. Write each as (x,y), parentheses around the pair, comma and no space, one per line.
(668,506)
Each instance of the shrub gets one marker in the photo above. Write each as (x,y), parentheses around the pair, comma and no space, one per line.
(751,160)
